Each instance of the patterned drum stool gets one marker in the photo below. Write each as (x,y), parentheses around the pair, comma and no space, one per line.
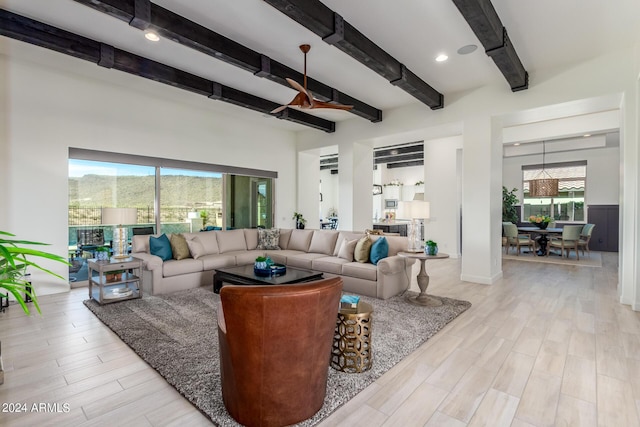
(352,351)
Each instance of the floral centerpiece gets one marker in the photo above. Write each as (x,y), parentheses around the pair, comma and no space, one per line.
(540,221)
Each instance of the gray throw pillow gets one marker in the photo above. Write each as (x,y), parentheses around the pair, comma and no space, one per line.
(268,239)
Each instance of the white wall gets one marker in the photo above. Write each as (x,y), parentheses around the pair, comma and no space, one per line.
(603,172)
(51,110)
(329,187)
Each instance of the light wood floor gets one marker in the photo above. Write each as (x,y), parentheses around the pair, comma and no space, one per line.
(546,346)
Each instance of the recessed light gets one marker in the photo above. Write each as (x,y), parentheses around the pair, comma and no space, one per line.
(465,50)
(516,144)
(586,135)
(442,57)
(151,36)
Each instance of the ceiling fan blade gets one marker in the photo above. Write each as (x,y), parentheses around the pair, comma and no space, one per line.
(280,108)
(297,86)
(320,104)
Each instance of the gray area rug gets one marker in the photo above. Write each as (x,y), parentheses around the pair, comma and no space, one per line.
(176,334)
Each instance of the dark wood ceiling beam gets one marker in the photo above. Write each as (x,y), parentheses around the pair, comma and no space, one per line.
(486,24)
(398,158)
(333,29)
(188,33)
(34,32)
(418,148)
(405,164)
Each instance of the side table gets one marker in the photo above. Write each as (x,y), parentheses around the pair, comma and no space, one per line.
(423,278)
(352,352)
(127,286)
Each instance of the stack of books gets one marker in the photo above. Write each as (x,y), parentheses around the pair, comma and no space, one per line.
(349,303)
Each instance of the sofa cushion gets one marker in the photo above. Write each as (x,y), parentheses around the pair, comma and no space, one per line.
(347,248)
(285,236)
(329,264)
(174,267)
(245,257)
(346,235)
(179,247)
(231,240)
(215,261)
(140,243)
(379,250)
(201,244)
(362,250)
(360,270)
(300,240)
(251,238)
(161,247)
(323,242)
(268,239)
(303,260)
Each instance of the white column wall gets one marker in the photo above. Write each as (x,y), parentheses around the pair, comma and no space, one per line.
(479,224)
(441,190)
(308,183)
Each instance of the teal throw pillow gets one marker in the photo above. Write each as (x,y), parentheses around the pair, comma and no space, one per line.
(161,246)
(379,250)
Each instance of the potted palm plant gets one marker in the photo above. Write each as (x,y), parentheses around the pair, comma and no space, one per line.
(13,272)
(14,261)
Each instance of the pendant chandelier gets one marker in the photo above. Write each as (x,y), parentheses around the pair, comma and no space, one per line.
(543,185)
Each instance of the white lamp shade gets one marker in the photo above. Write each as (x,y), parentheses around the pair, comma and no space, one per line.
(415,209)
(119,216)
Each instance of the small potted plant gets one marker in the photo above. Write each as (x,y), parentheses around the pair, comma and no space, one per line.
(431,247)
(300,221)
(114,276)
(102,253)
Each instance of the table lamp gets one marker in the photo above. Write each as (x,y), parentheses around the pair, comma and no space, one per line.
(416,210)
(118,217)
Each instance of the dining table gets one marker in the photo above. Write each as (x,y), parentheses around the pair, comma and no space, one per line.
(543,239)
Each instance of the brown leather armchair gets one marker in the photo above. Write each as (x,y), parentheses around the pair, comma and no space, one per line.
(275,347)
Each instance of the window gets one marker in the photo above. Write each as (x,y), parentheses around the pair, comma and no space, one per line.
(169,196)
(568,206)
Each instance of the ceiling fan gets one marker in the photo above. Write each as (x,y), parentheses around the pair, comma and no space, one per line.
(304,99)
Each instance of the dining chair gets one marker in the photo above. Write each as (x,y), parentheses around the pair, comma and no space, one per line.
(585,236)
(515,239)
(569,240)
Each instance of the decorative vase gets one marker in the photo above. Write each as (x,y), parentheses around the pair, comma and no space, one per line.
(431,250)
(300,225)
(542,225)
(260,265)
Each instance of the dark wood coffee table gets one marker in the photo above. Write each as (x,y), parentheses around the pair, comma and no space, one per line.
(244,275)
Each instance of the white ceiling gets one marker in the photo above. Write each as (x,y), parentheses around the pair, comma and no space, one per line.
(547,34)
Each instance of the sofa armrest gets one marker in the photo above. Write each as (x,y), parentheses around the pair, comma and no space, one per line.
(394,264)
(150,262)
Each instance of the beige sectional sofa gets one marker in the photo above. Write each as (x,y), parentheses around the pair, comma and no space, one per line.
(308,249)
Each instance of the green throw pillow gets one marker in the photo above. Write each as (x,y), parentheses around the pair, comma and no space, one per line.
(363,247)
(161,246)
(179,247)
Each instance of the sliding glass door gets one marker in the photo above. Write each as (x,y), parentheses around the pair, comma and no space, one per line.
(190,200)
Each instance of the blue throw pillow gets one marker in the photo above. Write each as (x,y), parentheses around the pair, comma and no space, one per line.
(379,250)
(161,246)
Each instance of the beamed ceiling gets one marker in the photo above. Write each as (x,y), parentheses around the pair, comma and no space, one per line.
(373,54)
